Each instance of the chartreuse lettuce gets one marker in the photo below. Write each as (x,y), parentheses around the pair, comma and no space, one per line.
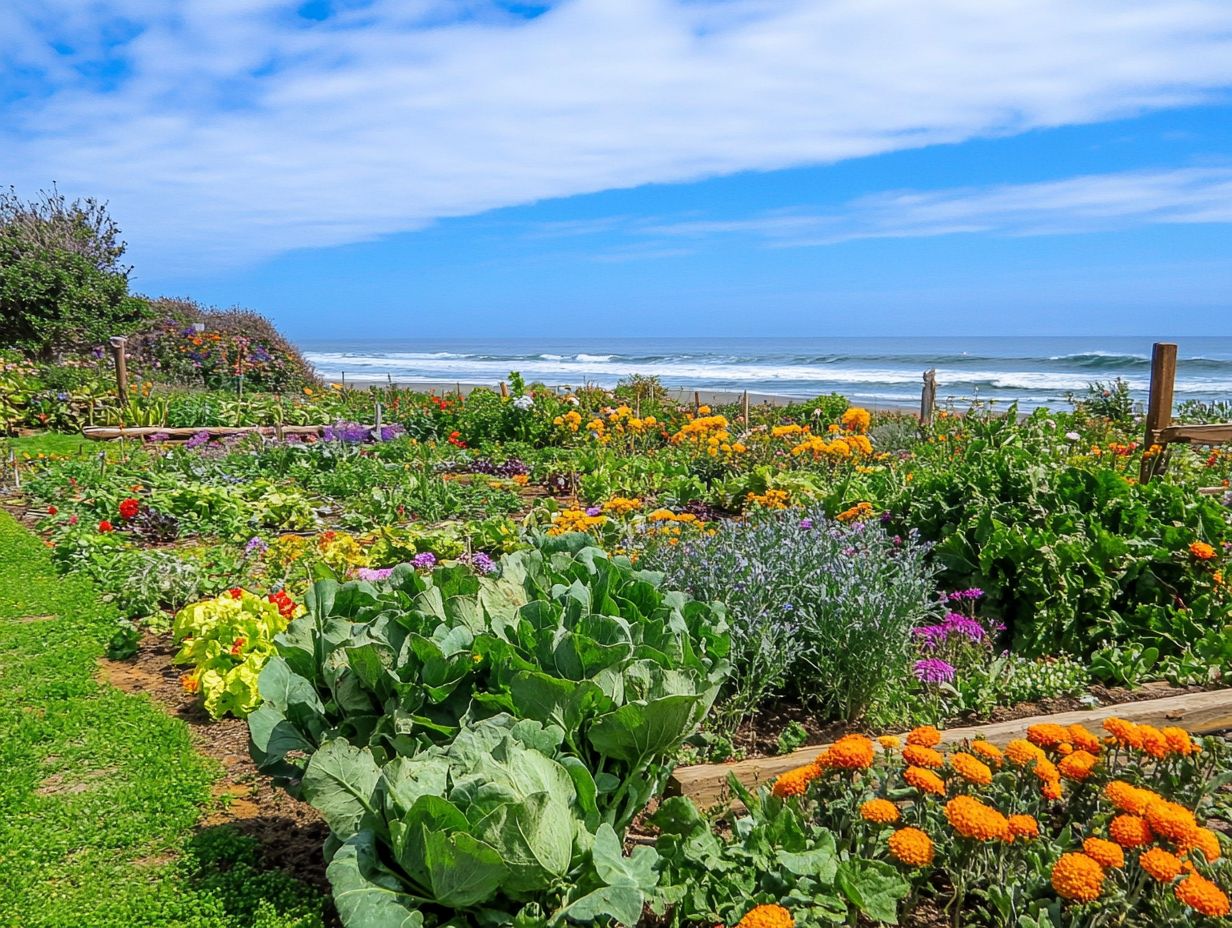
(483,743)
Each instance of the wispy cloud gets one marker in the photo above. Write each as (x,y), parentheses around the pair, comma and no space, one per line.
(227,130)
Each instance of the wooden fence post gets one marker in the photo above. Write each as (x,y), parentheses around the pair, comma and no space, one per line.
(121,367)
(1158,407)
(504,390)
(697,403)
(744,407)
(928,397)
(376,433)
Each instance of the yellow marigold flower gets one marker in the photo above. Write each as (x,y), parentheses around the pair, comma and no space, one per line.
(1125,733)
(911,847)
(989,751)
(856,513)
(1024,826)
(1201,550)
(926,736)
(1130,831)
(1047,735)
(1179,740)
(1077,877)
(1154,742)
(971,769)
(850,752)
(856,419)
(1127,797)
(1172,821)
(972,819)
(767,916)
(880,811)
(889,742)
(1023,753)
(1160,865)
(924,780)
(1203,896)
(1077,766)
(794,782)
(1083,739)
(1104,853)
(918,756)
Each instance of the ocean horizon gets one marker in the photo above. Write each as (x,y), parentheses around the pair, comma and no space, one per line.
(876,370)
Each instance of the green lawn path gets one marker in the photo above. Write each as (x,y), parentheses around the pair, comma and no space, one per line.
(101,791)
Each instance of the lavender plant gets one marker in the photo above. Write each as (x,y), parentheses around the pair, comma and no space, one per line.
(819,610)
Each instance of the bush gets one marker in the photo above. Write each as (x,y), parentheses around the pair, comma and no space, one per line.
(817,608)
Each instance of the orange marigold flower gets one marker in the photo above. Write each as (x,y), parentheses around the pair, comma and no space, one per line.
(1125,733)
(1160,865)
(1023,753)
(972,819)
(889,742)
(911,847)
(1201,895)
(971,769)
(1128,798)
(1084,739)
(924,780)
(1024,826)
(1047,734)
(1077,766)
(767,916)
(1046,770)
(1172,821)
(1179,740)
(1052,790)
(1130,831)
(794,782)
(1077,877)
(926,736)
(989,751)
(1207,842)
(1104,853)
(850,752)
(918,756)
(880,812)
(1154,742)
(1201,550)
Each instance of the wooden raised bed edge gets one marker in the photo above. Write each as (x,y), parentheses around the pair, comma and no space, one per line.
(1198,713)
(109,433)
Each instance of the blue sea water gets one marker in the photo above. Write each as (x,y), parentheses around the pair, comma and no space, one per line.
(876,371)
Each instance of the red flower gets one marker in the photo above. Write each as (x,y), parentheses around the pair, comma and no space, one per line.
(105,526)
(455,438)
(129,508)
(235,592)
(237,647)
(72,520)
(52,510)
(286,605)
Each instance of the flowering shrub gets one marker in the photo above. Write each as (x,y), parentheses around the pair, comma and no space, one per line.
(227,640)
(1061,827)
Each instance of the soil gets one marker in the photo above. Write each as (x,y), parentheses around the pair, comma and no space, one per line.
(290,833)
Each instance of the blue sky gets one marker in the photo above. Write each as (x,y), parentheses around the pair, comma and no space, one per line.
(647,167)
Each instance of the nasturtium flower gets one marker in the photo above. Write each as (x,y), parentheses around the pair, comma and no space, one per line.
(1202,895)
(912,847)
(1162,866)
(1077,877)
(767,916)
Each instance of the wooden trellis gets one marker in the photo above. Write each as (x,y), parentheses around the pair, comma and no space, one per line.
(1160,432)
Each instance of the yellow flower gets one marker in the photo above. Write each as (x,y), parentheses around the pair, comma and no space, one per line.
(856,419)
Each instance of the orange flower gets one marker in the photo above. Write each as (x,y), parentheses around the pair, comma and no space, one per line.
(1024,826)
(850,752)
(1047,734)
(1154,742)
(1125,733)
(794,782)
(1077,877)
(1205,841)
(990,752)
(1160,865)
(190,683)
(1179,740)
(971,769)
(926,736)
(1023,753)
(1172,821)
(1104,853)
(1201,550)
(767,916)
(911,847)
(1130,831)
(1052,790)
(1128,798)
(1201,895)
(924,780)
(972,819)
(1084,739)
(880,812)
(1077,766)
(918,756)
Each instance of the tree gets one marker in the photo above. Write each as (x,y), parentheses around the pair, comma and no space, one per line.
(62,284)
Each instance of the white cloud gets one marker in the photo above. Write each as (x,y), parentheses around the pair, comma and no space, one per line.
(1089,203)
(239,132)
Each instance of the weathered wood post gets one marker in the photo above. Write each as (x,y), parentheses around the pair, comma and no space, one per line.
(376,433)
(744,405)
(928,397)
(121,367)
(697,402)
(504,390)
(1158,407)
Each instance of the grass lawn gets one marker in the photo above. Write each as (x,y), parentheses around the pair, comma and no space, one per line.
(101,792)
(48,443)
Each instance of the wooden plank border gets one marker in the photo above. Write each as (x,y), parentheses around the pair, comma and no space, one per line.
(1199,713)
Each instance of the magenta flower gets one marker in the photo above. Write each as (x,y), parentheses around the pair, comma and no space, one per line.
(934,670)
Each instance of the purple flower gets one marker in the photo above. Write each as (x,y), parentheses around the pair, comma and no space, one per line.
(201,438)
(930,636)
(963,625)
(806,523)
(368,573)
(479,562)
(255,546)
(934,670)
(157,437)
(966,595)
(594,511)
(424,561)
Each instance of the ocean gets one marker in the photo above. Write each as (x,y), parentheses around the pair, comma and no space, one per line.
(875,371)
